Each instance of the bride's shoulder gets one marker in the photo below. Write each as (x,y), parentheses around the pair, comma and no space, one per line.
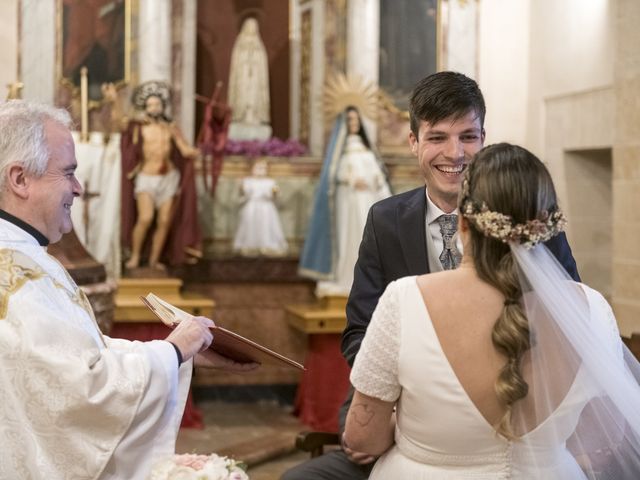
(397,287)
(600,310)
(594,297)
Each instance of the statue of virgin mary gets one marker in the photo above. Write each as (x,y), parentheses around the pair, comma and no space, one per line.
(352,179)
(249,86)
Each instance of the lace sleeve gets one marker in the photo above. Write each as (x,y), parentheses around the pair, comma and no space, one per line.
(375,370)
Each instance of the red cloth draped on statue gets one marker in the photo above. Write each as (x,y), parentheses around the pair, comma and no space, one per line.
(212,137)
(185,230)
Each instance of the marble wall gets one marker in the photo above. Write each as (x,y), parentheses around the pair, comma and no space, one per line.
(37,43)
(578,154)
(592,144)
(626,168)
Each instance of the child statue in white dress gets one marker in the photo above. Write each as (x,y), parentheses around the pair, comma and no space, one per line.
(259,229)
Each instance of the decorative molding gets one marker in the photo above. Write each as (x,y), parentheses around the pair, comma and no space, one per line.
(306,29)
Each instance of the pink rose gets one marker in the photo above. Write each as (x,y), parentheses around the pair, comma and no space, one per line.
(192,460)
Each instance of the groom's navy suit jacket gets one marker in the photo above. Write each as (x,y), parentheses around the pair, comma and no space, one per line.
(394,245)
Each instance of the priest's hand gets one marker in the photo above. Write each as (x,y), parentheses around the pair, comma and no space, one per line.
(192,336)
(210,359)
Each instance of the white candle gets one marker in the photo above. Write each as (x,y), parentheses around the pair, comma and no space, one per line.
(84,105)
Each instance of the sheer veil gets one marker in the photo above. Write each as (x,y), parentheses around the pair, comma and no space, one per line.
(583,381)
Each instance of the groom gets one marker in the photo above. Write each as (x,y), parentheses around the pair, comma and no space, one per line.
(412,233)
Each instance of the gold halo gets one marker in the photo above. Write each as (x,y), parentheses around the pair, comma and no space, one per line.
(340,91)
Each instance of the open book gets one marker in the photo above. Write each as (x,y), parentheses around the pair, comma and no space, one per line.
(225,342)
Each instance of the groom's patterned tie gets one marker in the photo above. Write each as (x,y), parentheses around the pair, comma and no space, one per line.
(450,257)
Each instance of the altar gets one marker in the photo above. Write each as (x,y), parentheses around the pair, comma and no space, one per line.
(324,385)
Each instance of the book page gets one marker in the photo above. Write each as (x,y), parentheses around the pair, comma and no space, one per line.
(225,342)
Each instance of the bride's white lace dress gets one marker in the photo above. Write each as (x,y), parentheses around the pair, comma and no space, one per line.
(440,434)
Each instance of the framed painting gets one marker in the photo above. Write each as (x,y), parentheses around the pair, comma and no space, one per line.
(409,46)
(95,34)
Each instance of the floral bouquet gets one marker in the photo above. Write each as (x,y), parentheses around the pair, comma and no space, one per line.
(198,467)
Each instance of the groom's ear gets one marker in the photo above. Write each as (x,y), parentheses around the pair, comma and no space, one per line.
(413,143)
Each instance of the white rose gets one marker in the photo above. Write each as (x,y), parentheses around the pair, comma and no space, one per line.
(161,470)
(184,473)
(214,470)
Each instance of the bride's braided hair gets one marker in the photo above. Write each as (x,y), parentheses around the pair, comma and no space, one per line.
(507,190)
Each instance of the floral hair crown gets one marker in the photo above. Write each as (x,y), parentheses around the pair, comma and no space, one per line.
(501,227)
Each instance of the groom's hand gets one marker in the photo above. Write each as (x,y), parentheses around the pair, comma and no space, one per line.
(359,458)
(210,359)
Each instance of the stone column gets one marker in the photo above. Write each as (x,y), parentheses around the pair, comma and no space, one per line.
(307,72)
(9,52)
(626,169)
(187,103)
(363,47)
(461,36)
(37,50)
(154,51)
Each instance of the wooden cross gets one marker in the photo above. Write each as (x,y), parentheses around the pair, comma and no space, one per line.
(87,196)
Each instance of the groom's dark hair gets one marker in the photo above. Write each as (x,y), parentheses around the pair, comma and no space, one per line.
(444,95)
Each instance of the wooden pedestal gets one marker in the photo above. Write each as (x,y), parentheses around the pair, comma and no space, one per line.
(325,382)
(129,307)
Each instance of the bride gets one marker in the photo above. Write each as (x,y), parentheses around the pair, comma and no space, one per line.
(538,386)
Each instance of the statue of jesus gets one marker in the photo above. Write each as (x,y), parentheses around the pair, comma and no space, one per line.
(157,183)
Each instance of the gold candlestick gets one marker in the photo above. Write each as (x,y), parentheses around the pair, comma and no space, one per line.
(84,105)
(15,90)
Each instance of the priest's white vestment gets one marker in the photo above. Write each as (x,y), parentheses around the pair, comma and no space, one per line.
(74,403)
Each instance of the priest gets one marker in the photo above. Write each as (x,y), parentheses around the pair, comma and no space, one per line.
(74,403)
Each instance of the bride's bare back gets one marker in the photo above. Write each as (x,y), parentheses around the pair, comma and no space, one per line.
(463,310)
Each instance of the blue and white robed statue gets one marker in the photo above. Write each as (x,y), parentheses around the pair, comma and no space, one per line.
(351,181)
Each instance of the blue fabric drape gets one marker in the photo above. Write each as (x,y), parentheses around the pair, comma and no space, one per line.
(318,256)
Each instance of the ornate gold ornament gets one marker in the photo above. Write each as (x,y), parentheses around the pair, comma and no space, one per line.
(340,91)
(15,90)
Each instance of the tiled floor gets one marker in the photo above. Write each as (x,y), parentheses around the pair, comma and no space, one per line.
(251,430)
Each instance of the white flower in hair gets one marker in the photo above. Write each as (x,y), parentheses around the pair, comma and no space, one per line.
(501,227)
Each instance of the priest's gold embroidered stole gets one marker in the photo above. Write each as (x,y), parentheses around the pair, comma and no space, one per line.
(16,269)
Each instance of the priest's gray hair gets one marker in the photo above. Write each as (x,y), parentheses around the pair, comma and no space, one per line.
(22,135)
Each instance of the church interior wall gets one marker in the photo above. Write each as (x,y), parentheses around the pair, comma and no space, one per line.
(589,199)
(533,50)
(578,152)
(560,77)
(571,50)
(626,168)
(567,88)
(504,68)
